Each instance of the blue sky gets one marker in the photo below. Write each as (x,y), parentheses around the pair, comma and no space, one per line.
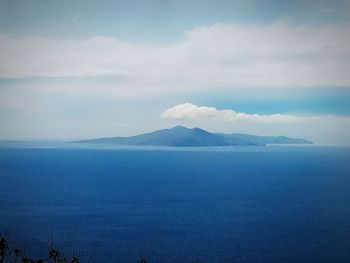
(82,69)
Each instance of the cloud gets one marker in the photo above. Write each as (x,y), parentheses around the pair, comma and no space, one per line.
(210,57)
(189,111)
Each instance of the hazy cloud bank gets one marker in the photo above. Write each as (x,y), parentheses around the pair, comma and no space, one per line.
(221,55)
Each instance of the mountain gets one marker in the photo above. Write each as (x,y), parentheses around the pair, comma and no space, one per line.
(182,136)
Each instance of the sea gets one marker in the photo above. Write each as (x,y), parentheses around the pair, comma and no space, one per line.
(105,203)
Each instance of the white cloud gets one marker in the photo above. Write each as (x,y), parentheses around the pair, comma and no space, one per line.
(218,56)
(189,111)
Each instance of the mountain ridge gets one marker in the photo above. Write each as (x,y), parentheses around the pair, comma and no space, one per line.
(180,136)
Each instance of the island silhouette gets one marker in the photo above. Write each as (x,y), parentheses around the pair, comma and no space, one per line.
(180,136)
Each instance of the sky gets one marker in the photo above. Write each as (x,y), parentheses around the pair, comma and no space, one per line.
(85,69)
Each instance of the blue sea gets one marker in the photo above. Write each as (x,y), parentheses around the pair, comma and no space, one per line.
(206,204)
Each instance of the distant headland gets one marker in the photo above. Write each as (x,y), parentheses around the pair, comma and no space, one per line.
(180,136)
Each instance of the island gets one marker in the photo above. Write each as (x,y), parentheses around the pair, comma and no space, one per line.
(180,136)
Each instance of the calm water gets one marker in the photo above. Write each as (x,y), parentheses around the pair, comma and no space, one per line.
(246,204)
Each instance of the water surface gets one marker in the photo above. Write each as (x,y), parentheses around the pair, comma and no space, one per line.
(213,204)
